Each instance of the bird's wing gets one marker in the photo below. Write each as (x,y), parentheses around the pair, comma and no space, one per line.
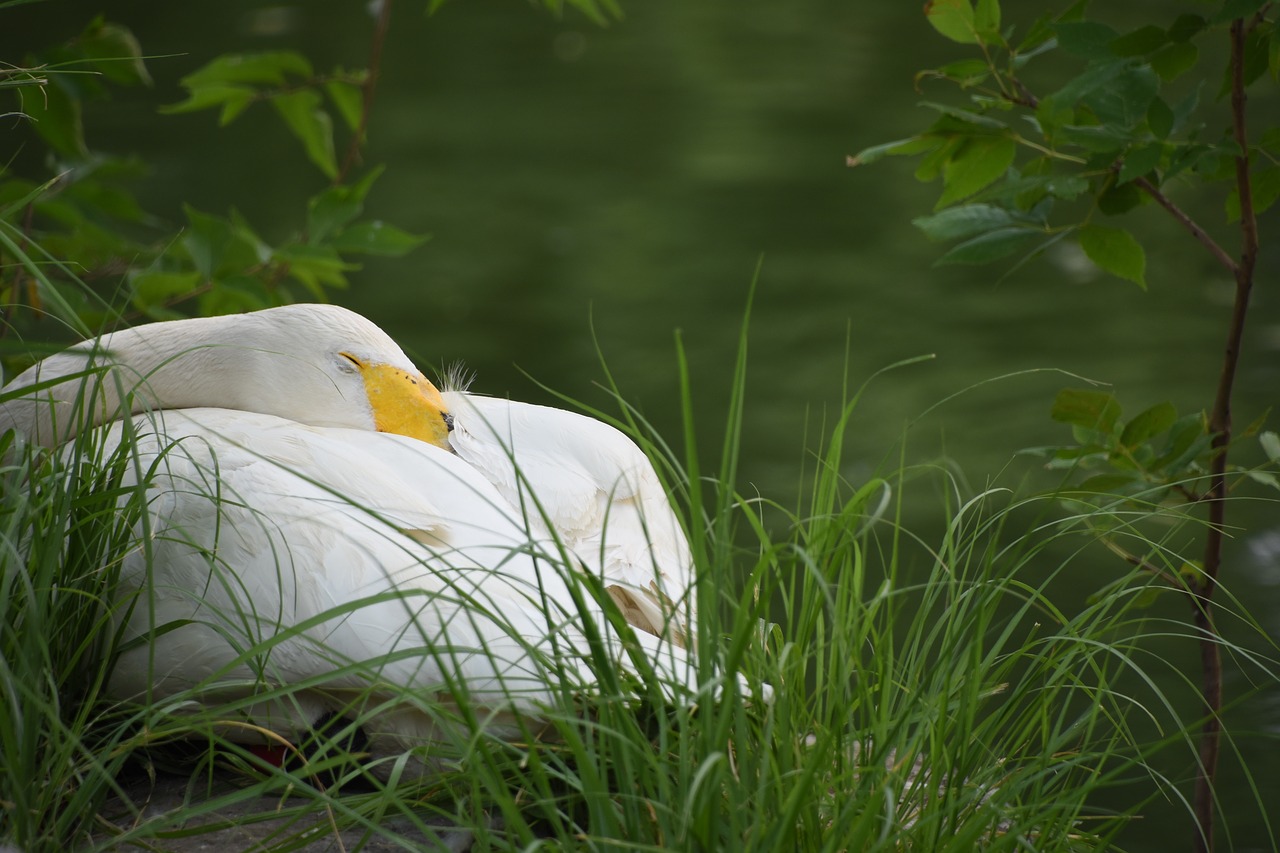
(277,553)
(593,487)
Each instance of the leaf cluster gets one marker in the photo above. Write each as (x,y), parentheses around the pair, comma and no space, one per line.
(76,242)
(1022,170)
(1151,454)
(1152,465)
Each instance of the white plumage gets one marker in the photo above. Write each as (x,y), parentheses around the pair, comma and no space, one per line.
(595,489)
(288,542)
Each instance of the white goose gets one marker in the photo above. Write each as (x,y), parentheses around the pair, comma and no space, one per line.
(307,525)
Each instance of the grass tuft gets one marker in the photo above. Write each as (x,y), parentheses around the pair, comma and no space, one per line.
(860,684)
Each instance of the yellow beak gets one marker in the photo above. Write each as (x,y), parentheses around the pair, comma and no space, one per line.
(405,403)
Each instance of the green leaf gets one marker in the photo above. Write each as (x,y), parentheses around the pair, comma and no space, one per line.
(986,21)
(1265,184)
(990,246)
(1270,442)
(979,162)
(931,164)
(1160,119)
(333,208)
(153,287)
(376,238)
(963,221)
(1257,55)
(1116,251)
(268,68)
(232,107)
(1066,187)
(314,266)
(1076,456)
(1105,139)
(1270,140)
(953,18)
(966,116)
(1124,101)
(1174,60)
(247,249)
(1187,440)
(205,97)
(206,240)
(1086,408)
(1186,27)
(913,145)
(1218,162)
(234,295)
(1038,35)
(348,98)
(965,70)
(1255,426)
(328,211)
(1185,108)
(1184,433)
(1097,76)
(1273,54)
(1119,198)
(1139,161)
(1089,39)
(1139,42)
(1025,191)
(310,124)
(1109,484)
(1266,478)
(105,199)
(1148,423)
(116,51)
(56,116)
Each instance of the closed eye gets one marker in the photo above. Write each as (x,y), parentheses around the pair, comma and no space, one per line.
(351,358)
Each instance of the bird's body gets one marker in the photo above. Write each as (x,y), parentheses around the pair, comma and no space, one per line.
(595,490)
(290,554)
(310,546)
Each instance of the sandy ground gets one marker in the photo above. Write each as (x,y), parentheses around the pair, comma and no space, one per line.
(175,794)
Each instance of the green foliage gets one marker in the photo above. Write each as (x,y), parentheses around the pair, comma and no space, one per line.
(78,244)
(1152,454)
(1114,250)
(285,80)
(65,522)
(933,690)
(1028,160)
(930,690)
(1113,135)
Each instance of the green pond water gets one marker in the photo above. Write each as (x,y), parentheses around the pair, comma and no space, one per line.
(625,183)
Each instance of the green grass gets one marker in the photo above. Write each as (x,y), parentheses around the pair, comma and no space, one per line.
(934,689)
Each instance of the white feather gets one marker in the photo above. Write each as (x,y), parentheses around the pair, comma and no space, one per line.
(285,544)
(592,487)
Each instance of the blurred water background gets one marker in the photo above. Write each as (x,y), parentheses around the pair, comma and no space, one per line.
(624,182)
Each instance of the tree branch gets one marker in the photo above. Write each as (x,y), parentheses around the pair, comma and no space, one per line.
(370,87)
(1187,222)
(1220,426)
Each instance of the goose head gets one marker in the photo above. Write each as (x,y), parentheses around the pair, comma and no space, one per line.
(319,365)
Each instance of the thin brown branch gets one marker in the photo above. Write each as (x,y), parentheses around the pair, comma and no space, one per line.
(1025,97)
(370,87)
(1220,426)
(1188,223)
